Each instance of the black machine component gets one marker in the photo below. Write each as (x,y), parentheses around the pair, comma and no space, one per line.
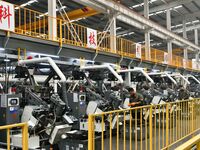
(22,72)
(78,75)
(33,98)
(57,105)
(97,75)
(9,112)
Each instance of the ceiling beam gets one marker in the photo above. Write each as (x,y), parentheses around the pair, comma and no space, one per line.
(124,32)
(135,19)
(187,17)
(179,19)
(73,15)
(190,28)
(169,5)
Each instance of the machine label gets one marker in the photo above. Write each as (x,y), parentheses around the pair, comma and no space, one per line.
(7,16)
(75,97)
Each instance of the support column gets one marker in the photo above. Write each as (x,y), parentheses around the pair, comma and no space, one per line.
(185,55)
(52,22)
(113,33)
(197,59)
(147,46)
(128,77)
(184,29)
(169,43)
(147,32)
(196,37)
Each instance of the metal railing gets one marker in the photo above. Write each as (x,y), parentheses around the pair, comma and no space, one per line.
(24,128)
(151,127)
(193,142)
(35,24)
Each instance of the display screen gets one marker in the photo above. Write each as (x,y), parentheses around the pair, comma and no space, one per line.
(13,101)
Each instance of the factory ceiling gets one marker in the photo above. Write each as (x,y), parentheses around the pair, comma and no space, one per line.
(188,10)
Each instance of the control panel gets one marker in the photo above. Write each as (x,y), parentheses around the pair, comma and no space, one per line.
(9,112)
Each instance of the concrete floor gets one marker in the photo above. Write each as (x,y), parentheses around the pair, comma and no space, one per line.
(159,139)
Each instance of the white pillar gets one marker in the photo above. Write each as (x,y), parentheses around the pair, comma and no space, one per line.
(197,60)
(147,46)
(185,54)
(196,37)
(128,77)
(185,36)
(197,56)
(52,22)
(184,29)
(146,9)
(169,43)
(147,32)
(113,34)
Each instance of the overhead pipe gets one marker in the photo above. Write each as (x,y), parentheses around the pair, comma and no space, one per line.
(45,59)
(106,66)
(166,74)
(138,70)
(193,77)
(56,69)
(180,75)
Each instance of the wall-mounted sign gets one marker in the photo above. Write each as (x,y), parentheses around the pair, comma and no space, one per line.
(91,38)
(7,16)
(138,48)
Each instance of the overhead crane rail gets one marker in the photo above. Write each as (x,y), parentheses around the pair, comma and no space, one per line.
(32,23)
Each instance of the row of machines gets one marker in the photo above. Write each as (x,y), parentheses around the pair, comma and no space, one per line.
(56,105)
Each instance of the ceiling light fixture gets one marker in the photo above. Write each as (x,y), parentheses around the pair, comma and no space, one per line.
(141,4)
(46,13)
(25,4)
(164,11)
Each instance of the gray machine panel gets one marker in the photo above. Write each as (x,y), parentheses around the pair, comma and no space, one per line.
(9,112)
(77,102)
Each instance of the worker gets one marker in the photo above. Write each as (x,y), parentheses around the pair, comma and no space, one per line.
(136,99)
